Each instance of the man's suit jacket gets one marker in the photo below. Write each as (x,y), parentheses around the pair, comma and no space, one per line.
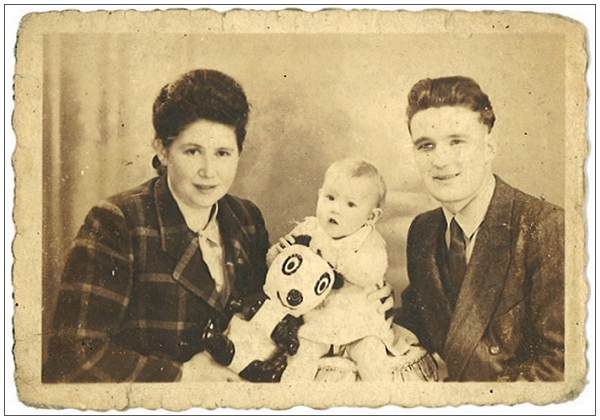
(136,293)
(508,322)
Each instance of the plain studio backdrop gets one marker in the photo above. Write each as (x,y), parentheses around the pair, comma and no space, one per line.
(314,98)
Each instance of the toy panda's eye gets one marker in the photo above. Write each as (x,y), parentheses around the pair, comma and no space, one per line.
(322,284)
(291,264)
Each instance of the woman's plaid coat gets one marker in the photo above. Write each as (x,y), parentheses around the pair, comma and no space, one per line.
(136,293)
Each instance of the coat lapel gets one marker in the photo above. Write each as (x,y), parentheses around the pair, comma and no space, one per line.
(483,283)
(436,315)
(180,243)
(236,243)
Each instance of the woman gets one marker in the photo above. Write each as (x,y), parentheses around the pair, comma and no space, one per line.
(150,266)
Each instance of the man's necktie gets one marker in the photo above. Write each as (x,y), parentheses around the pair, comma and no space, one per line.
(457,261)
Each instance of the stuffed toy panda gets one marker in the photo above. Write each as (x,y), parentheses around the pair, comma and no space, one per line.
(297,281)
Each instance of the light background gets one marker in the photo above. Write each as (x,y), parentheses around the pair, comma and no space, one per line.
(584,404)
(315,98)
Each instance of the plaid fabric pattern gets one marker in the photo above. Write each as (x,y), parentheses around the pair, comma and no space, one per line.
(136,293)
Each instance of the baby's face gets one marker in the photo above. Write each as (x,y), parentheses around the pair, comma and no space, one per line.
(345,204)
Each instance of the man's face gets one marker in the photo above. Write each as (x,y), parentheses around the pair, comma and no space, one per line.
(453,152)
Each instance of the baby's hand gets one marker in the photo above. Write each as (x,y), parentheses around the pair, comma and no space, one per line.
(275,250)
(284,242)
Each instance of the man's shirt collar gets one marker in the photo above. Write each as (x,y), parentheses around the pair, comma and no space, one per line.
(471,216)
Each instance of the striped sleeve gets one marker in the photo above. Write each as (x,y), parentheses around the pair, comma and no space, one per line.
(91,305)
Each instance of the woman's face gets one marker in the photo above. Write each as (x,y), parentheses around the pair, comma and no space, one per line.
(201,163)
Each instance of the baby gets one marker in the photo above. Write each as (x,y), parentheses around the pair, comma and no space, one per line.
(343,232)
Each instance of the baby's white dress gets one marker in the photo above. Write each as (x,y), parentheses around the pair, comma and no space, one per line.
(347,314)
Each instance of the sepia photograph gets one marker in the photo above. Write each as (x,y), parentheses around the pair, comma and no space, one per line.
(335,208)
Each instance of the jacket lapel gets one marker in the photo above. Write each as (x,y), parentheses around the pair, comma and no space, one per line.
(180,243)
(436,315)
(483,283)
(236,243)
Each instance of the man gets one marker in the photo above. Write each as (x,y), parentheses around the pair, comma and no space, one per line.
(486,269)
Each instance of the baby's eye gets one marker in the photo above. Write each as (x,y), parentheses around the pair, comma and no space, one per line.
(351,204)
(454,142)
(330,197)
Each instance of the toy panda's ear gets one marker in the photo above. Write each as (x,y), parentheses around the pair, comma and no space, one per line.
(338,281)
(302,240)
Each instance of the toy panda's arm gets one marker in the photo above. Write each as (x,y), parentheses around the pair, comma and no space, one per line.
(246,306)
(265,371)
(213,337)
(245,347)
(223,350)
(285,334)
(217,344)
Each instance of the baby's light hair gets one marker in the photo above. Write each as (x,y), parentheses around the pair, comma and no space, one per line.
(359,168)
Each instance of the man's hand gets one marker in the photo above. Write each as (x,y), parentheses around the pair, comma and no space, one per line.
(383,298)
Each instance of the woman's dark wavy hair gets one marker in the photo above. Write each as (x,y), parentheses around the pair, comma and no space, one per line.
(199,94)
(450,91)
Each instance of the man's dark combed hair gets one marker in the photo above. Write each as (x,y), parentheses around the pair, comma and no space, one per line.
(200,94)
(450,91)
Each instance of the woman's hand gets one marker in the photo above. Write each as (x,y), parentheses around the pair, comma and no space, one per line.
(383,298)
(201,368)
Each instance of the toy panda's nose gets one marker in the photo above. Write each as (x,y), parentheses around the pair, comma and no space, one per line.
(294,297)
